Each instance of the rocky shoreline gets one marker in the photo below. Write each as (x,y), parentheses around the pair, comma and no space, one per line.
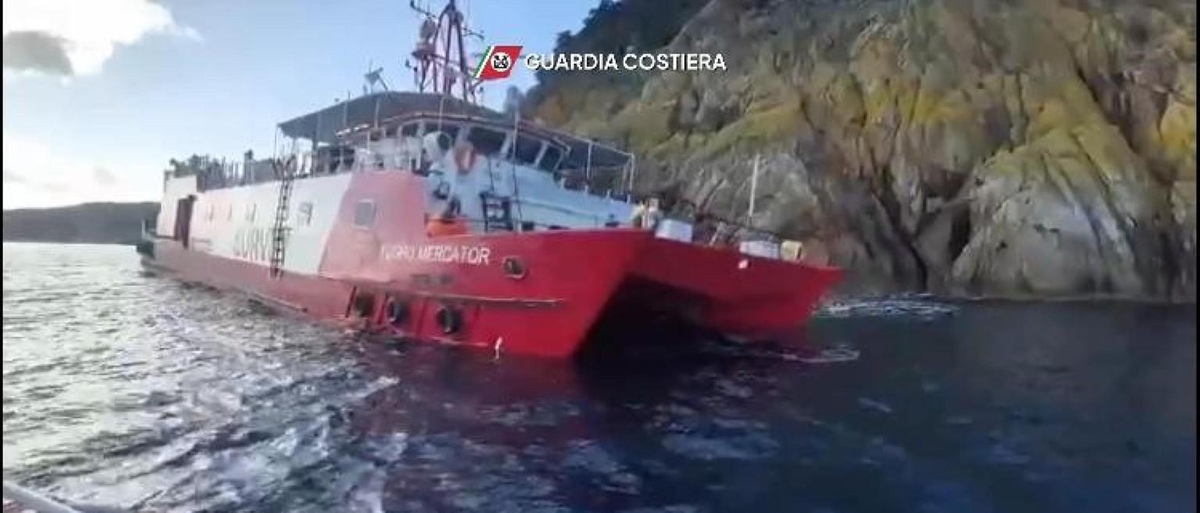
(1025,148)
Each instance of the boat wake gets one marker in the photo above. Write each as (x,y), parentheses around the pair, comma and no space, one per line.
(915,308)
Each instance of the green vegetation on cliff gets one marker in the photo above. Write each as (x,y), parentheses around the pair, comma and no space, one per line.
(628,26)
(1014,147)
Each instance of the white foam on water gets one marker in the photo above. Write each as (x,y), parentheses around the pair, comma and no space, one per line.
(924,309)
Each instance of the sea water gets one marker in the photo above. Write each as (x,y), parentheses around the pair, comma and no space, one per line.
(136,391)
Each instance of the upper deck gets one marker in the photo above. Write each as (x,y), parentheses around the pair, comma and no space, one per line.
(383,130)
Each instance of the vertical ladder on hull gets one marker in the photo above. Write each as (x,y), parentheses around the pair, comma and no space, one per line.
(497,212)
(279,228)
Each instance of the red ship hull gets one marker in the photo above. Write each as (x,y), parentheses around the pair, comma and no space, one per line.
(536,292)
(567,280)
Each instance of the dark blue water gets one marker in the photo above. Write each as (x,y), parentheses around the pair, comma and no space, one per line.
(139,392)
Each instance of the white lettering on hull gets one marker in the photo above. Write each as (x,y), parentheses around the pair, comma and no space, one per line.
(441,253)
(252,243)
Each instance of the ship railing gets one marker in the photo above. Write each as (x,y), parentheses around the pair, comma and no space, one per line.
(234,174)
(479,224)
(310,163)
(563,209)
(598,181)
(731,235)
(607,182)
(717,231)
(219,174)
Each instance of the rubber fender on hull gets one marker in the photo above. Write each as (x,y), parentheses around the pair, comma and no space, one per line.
(396,311)
(449,319)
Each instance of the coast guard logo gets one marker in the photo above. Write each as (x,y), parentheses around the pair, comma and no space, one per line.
(501,62)
(497,62)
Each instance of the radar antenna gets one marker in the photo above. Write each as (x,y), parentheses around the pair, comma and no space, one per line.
(373,77)
(441,57)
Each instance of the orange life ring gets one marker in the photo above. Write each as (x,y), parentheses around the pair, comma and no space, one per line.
(464,159)
(446,227)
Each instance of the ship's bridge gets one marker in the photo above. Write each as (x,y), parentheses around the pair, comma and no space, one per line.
(385,130)
(551,179)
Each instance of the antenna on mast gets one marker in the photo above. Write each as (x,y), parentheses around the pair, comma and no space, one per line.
(372,77)
(441,55)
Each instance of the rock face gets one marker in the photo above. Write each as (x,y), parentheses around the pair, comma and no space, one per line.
(999,147)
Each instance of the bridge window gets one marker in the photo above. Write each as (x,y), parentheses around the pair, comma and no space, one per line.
(549,160)
(409,130)
(251,209)
(485,140)
(364,213)
(527,150)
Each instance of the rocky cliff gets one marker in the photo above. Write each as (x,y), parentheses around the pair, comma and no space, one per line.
(1000,147)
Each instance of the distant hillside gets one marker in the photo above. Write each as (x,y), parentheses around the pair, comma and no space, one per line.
(100,223)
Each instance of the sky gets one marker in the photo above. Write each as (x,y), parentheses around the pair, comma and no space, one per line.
(99,94)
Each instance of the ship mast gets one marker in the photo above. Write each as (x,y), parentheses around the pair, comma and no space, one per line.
(441,55)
